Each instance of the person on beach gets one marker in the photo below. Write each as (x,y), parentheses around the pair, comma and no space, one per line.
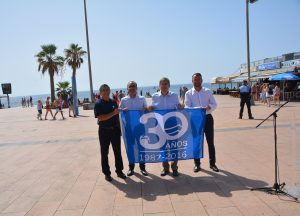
(245,95)
(116,97)
(71,107)
(121,95)
(48,108)
(269,94)
(40,110)
(134,102)
(59,105)
(200,96)
(264,93)
(276,95)
(254,92)
(30,101)
(165,99)
(107,113)
(182,92)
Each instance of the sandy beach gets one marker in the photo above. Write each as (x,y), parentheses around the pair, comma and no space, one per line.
(53,168)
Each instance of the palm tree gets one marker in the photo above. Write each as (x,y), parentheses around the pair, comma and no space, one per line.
(63,89)
(74,59)
(49,61)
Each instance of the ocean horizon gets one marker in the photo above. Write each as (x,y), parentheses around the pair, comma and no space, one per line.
(16,100)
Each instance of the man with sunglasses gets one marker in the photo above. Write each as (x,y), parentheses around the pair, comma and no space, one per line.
(165,99)
(107,113)
(134,102)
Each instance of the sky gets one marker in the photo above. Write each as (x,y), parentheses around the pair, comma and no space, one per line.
(142,40)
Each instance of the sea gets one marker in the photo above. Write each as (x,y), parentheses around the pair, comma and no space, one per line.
(16,101)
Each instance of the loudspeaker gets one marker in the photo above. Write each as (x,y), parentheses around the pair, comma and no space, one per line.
(6,88)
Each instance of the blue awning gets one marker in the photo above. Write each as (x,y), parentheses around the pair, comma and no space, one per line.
(284,76)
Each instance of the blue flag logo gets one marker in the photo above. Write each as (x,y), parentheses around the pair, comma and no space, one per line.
(163,135)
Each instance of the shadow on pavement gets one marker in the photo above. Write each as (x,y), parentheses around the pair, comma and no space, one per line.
(152,186)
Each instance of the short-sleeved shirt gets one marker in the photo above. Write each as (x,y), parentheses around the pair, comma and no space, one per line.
(136,103)
(169,101)
(244,89)
(39,106)
(103,107)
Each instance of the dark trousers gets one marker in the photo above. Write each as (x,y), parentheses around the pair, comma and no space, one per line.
(209,135)
(245,100)
(113,136)
(132,165)
(174,166)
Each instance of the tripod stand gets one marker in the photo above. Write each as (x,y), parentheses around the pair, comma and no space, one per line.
(277,187)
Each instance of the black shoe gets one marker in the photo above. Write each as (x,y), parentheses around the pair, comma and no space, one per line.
(130,172)
(108,178)
(121,175)
(197,168)
(240,117)
(251,117)
(175,173)
(214,168)
(164,172)
(144,172)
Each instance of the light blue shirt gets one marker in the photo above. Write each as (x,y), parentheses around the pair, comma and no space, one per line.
(244,89)
(201,98)
(136,103)
(169,101)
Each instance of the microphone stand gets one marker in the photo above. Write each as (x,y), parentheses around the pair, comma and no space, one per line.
(277,187)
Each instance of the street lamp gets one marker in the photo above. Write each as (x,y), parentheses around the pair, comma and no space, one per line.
(88,51)
(248,43)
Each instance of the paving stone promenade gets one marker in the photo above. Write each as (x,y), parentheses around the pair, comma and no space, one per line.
(53,168)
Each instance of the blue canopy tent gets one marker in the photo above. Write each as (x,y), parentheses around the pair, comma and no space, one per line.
(284,77)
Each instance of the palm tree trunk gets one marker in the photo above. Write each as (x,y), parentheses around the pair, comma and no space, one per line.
(52,86)
(74,93)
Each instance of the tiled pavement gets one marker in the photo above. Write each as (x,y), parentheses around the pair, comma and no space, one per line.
(52,168)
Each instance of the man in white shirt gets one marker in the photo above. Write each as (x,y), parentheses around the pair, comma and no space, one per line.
(202,97)
(165,99)
(134,102)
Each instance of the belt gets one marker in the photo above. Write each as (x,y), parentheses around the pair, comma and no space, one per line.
(107,128)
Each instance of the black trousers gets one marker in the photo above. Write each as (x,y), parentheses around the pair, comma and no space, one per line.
(209,135)
(174,166)
(245,100)
(142,166)
(113,136)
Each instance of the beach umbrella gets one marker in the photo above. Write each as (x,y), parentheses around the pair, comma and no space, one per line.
(284,77)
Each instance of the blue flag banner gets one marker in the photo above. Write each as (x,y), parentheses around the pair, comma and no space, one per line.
(163,135)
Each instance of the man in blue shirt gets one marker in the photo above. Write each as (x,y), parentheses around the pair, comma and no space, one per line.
(134,102)
(107,113)
(165,99)
(245,95)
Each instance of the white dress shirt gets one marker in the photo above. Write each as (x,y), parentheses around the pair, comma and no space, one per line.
(201,98)
(136,103)
(169,101)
